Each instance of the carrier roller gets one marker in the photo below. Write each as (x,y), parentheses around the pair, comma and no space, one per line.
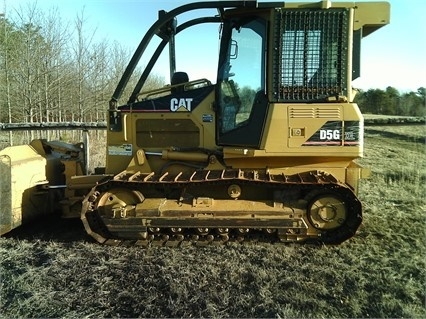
(216,207)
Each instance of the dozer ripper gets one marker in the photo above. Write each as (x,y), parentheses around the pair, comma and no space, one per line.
(266,153)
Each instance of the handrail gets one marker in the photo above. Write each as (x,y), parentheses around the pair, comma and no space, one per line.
(169,88)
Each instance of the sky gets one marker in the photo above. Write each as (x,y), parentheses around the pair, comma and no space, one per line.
(394,55)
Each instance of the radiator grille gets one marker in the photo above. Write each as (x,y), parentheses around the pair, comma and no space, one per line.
(311,58)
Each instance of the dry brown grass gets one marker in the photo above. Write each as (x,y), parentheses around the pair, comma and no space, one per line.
(52,269)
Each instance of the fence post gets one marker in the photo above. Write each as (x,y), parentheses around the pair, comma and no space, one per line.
(86,150)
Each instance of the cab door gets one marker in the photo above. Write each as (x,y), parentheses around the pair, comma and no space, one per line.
(240,96)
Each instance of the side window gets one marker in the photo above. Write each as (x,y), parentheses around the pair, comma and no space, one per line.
(301,56)
(241,99)
(243,77)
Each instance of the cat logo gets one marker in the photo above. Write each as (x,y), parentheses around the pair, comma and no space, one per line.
(182,104)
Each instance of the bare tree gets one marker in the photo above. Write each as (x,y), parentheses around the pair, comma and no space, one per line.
(5,81)
(56,71)
(81,51)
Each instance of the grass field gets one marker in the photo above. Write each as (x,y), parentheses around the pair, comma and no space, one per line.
(52,269)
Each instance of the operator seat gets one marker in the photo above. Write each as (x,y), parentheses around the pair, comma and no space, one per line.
(179,78)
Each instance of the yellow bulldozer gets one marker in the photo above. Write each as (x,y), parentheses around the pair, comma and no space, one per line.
(267,153)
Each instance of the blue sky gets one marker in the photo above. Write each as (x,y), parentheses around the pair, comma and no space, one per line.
(395,55)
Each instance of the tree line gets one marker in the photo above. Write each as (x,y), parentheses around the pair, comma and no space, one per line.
(54,71)
(392,102)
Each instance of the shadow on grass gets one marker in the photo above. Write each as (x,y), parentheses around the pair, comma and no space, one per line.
(51,228)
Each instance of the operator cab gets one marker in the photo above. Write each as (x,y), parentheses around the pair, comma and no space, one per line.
(269,54)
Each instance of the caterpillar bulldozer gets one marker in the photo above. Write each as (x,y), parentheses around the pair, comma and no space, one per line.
(266,153)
